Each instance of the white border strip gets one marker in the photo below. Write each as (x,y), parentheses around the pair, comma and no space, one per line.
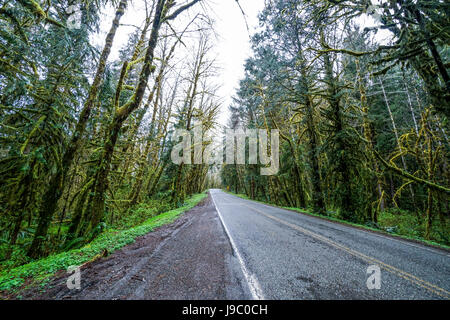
(253,284)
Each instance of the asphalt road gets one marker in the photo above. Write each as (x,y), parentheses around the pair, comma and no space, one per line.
(230,248)
(287,255)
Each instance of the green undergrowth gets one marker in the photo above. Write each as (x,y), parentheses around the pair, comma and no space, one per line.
(140,214)
(39,272)
(124,220)
(402,224)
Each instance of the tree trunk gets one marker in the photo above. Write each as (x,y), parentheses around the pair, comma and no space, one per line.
(56,184)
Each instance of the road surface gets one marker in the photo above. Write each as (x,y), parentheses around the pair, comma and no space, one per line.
(230,248)
(287,255)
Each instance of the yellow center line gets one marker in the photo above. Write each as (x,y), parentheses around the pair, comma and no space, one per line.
(403,274)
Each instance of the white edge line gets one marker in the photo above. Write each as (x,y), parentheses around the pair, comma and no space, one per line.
(253,284)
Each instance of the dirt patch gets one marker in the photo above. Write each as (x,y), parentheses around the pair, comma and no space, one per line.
(190,258)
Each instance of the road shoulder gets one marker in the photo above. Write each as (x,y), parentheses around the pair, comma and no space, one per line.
(190,258)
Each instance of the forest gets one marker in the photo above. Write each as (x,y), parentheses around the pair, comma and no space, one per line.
(359,91)
(363,120)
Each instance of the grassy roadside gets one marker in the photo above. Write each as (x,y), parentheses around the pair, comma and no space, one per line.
(39,272)
(359,226)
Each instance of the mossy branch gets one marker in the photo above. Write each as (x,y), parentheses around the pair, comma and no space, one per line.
(407,175)
(37,10)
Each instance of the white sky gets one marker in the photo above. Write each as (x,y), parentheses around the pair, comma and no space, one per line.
(234,47)
(231,48)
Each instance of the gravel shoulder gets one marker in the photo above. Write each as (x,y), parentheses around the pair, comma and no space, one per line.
(190,258)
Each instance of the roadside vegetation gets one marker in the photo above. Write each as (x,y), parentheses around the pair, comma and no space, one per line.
(359,91)
(86,139)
